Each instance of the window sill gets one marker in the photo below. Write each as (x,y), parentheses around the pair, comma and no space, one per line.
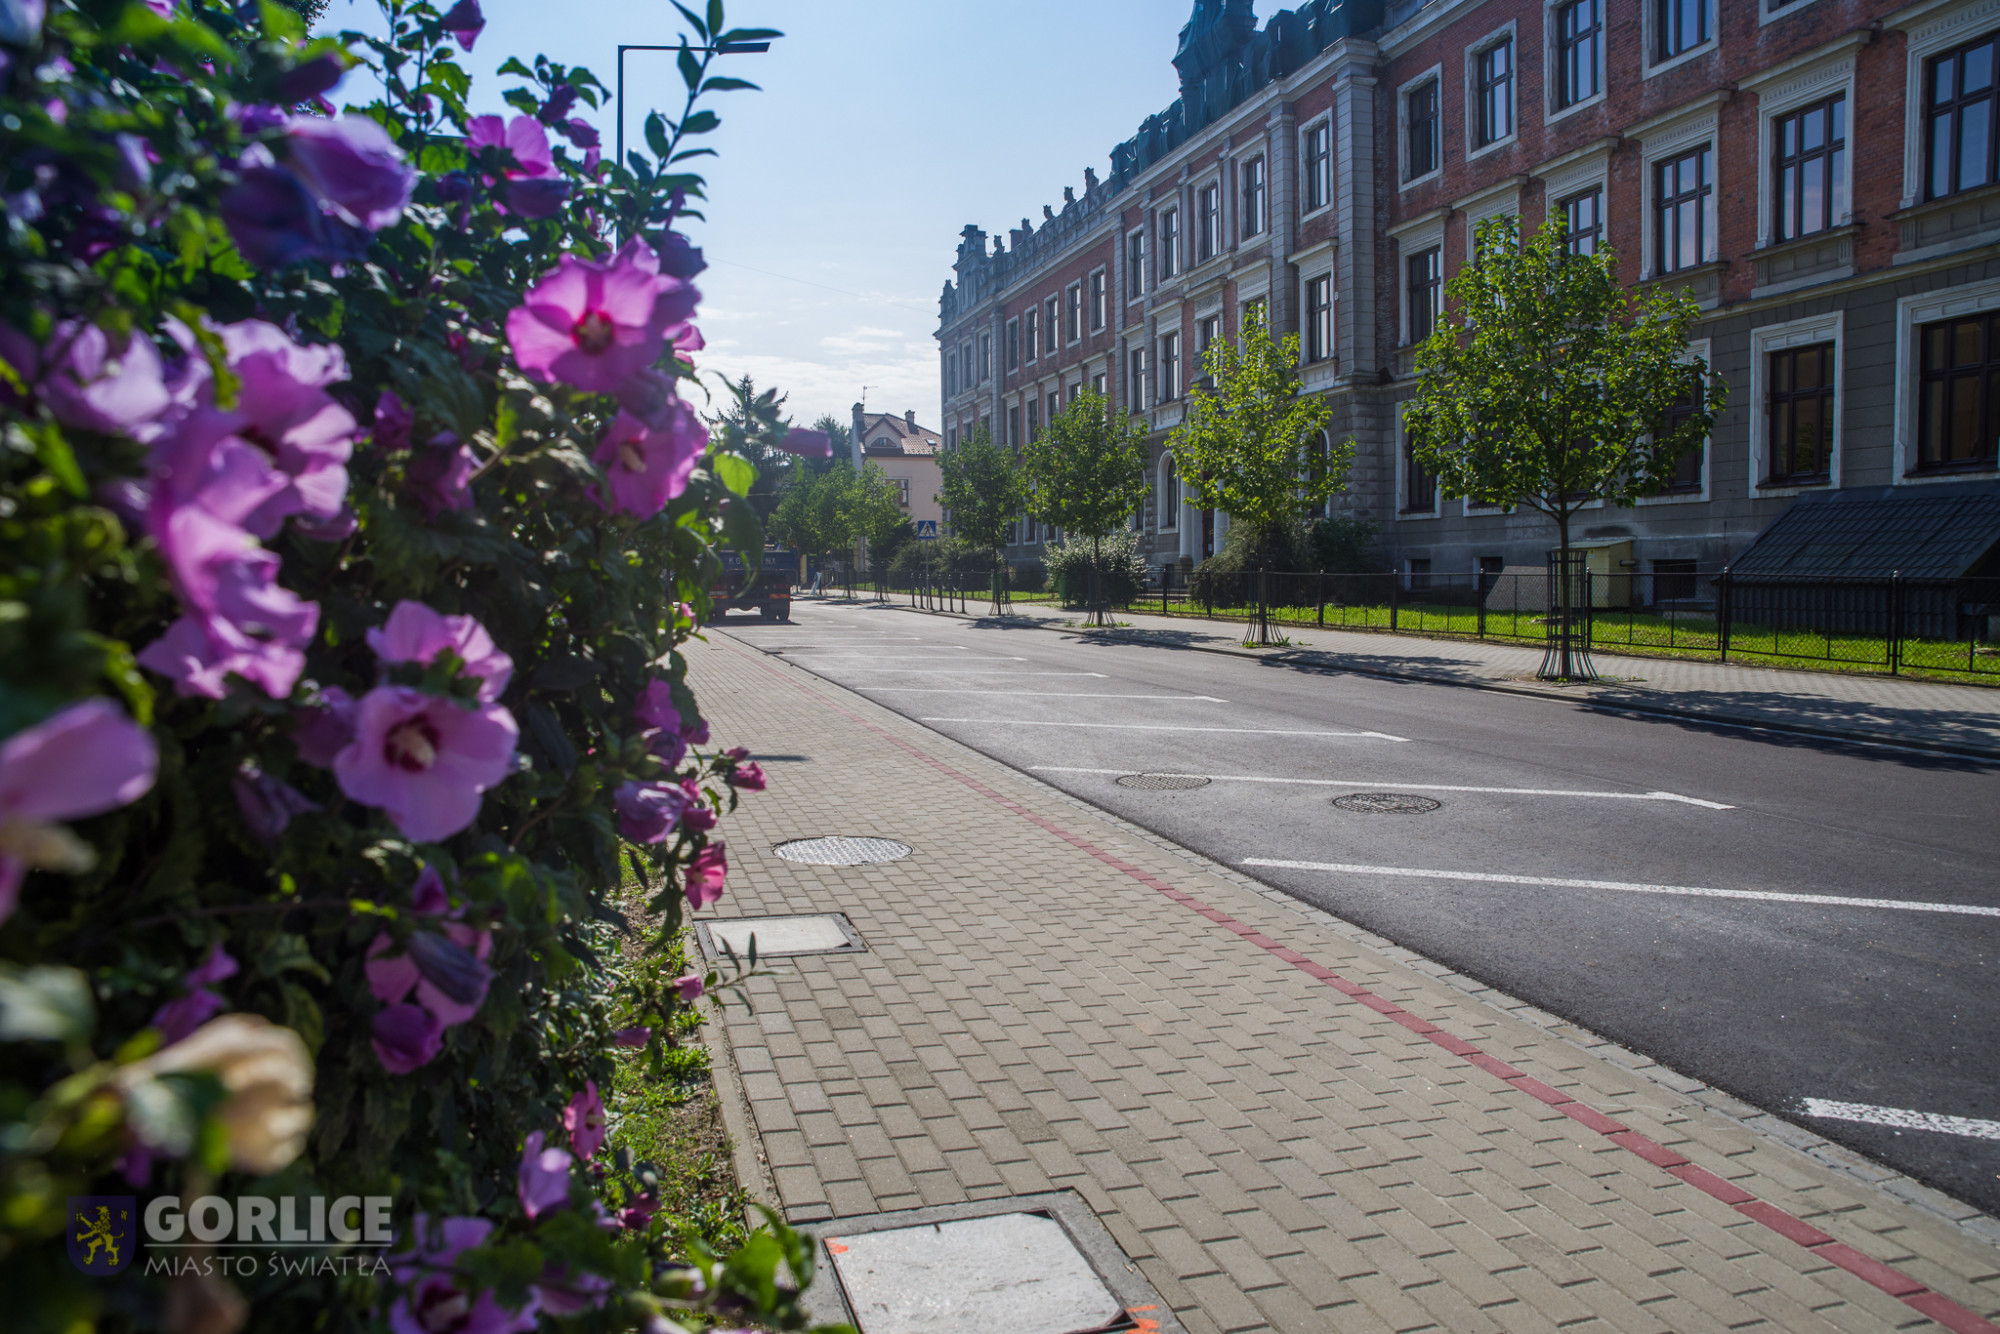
(1935,227)
(1428,178)
(1703,280)
(1789,484)
(1478,151)
(1707,48)
(1564,113)
(1976,468)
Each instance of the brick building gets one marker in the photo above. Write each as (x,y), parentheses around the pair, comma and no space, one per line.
(1823,176)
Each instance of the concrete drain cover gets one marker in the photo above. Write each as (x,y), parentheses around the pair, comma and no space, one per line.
(1385,803)
(1163,782)
(781,937)
(839,851)
(1019,1271)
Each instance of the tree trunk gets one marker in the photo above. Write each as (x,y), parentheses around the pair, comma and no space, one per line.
(1096,601)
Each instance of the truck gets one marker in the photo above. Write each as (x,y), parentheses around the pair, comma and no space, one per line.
(767,590)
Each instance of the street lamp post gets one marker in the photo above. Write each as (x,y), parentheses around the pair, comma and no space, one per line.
(725,49)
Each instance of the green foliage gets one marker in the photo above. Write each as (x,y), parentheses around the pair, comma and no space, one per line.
(982,492)
(1548,383)
(752,424)
(1344,546)
(1086,472)
(1121,570)
(824,513)
(1251,447)
(584,602)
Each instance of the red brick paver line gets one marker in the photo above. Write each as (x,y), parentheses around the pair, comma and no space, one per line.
(1884,1277)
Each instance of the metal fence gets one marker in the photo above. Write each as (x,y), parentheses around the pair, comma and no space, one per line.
(1890,625)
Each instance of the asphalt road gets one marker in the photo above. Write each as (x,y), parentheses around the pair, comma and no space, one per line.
(1775,990)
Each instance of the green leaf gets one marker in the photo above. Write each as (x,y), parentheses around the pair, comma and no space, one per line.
(53,452)
(514,66)
(690,68)
(281,22)
(522,99)
(656,136)
(693,19)
(701,122)
(737,473)
(44,1003)
(722,85)
(715,16)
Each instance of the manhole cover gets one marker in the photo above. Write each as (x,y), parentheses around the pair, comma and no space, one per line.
(839,851)
(1385,803)
(801,933)
(1163,782)
(958,1275)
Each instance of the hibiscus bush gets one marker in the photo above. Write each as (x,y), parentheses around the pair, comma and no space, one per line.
(351,513)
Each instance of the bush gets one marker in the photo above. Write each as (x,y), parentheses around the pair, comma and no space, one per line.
(341,591)
(1345,546)
(1121,570)
(1028,576)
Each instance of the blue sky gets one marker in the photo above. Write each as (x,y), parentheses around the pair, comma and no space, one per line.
(883,128)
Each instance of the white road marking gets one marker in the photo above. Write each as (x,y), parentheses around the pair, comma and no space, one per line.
(1152,727)
(1902,1119)
(1041,694)
(915,657)
(976,671)
(1393,784)
(1627,887)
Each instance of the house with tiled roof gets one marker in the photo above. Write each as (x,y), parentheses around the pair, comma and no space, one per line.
(908,454)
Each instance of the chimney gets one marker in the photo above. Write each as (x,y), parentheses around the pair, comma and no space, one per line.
(910,420)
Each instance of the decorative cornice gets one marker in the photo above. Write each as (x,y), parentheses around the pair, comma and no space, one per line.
(1709,103)
(1765,82)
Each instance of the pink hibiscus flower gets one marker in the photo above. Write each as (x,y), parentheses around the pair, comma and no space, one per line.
(647,467)
(425,761)
(592,323)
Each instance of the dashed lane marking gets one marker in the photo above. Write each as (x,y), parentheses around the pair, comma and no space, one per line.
(1901,1118)
(1157,727)
(1038,694)
(1392,783)
(1628,887)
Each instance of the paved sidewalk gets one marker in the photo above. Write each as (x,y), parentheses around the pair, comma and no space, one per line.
(1930,714)
(1286,1124)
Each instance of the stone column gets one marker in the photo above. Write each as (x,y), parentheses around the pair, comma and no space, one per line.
(1354,136)
(1282,207)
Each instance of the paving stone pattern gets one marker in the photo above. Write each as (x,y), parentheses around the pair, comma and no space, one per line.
(1272,1154)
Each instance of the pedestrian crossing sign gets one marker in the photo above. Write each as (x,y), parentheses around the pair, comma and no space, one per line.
(927,529)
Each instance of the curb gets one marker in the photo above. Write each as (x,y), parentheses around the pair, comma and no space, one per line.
(1713,718)
(746,1146)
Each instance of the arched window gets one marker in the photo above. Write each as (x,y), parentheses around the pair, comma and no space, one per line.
(1170,494)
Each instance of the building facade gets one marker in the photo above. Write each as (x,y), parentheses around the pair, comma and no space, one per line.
(1822,175)
(908,455)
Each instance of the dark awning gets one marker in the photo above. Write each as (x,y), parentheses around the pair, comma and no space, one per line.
(1942,531)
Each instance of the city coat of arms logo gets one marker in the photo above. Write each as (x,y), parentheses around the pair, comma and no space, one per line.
(102,1240)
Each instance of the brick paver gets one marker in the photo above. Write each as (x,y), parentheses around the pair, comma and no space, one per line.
(1040,1008)
(1927,712)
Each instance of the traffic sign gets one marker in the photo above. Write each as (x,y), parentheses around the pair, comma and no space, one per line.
(927,530)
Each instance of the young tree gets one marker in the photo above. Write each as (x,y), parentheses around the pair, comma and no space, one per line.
(1549,386)
(839,433)
(752,424)
(824,513)
(982,494)
(1251,446)
(1087,474)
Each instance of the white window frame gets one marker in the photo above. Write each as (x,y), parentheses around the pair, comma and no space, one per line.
(1011,341)
(1671,140)
(1139,377)
(1697,347)
(1256,154)
(1488,203)
(1413,240)
(1215,183)
(1650,28)
(1931,32)
(1798,87)
(1072,300)
(1572,174)
(1912,313)
(985,357)
(1551,113)
(1403,514)
(1171,255)
(1031,334)
(1160,506)
(1435,72)
(1322,121)
(1332,350)
(1766,14)
(1162,377)
(1145,256)
(1096,317)
(1769,338)
(1507,33)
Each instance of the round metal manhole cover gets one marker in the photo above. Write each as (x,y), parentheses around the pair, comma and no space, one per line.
(839,851)
(1163,782)
(1385,803)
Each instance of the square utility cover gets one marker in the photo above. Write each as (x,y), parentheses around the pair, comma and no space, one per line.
(781,937)
(1017,1271)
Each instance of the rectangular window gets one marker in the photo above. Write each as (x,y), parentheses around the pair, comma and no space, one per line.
(1683,25)
(1013,345)
(1419,487)
(1073,313)
(1034,420)
(1687,468)
(1684,210)
(1208,207)
(1800,406)
(1493,80)
(1584,217)
(1319,317)
(903,492)
(1135,266)
(1253,197)
(1099,299)
(1579,51)
(950,374)
(1255,310)
(1170,242)
(1054,408)
(965,361)
(1808,193)
(951,437)
(1137,359)
(1097,385)
(1426,285)
(1032,324)
(1958,413)
(1014,428)
(1421,118)
(1206,332)
(1051,317)
(1170,367)
(1319,166)
(1962,134)
(985,358)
